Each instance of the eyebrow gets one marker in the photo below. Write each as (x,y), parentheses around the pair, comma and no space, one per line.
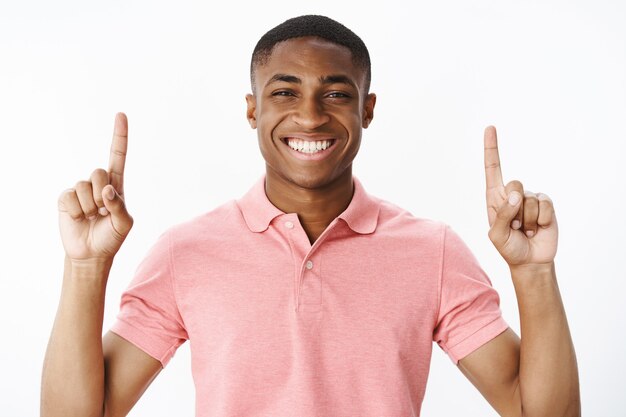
(284,78)
(326,79)
(338,79)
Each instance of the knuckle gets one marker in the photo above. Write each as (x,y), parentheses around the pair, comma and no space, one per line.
(66,195)
(515,184)
(97,197)
(544,198)
(91,211)
(82,185)
(76,216)
(99,174)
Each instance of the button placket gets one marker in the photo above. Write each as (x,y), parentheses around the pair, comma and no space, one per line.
(287,223)
(308,271)
(311,284)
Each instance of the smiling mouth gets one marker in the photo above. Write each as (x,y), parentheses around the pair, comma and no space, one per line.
(309,147)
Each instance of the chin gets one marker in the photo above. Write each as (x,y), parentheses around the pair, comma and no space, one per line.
(312,180)
(309,182)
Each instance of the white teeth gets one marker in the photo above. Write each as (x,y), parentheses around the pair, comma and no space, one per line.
(308,147)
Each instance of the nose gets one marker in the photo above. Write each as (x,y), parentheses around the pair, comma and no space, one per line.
(310,114)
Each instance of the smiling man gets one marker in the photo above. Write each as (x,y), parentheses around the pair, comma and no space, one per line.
(309,106)
(308,296)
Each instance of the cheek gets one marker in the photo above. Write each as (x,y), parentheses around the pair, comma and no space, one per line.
(352,115)
(268,120)
(265,130)
(352,122)
(266,115)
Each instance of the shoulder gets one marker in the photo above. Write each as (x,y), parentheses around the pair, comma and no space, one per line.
(216,224)
(397,220)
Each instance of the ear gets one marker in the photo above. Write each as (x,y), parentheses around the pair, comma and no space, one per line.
(368,110)
(251,110)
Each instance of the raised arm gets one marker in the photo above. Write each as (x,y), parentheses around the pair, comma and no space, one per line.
(82,376)
(538,375)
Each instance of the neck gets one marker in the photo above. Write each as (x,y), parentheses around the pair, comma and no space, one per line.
(316,207)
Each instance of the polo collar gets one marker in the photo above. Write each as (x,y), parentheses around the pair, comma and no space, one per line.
(258,212)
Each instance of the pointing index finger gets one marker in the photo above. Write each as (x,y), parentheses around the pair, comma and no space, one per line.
(117,157)
(493,174)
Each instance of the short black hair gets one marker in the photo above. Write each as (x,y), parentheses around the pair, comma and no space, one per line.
(312,25)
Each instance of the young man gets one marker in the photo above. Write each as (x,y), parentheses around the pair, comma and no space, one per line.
(308,296)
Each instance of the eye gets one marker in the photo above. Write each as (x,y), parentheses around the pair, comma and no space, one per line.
(282,93)
(337,94)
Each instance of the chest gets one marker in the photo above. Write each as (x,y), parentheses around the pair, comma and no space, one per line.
(357,291)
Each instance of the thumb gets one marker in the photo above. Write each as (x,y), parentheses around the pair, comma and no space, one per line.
(120,219)
(501,228)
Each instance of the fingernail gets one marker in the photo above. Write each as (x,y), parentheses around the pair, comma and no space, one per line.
(103,211)
(514,198)
(516,224)
(109,194)
(530,233)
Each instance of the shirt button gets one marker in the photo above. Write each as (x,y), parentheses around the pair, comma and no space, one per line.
(309,264)
(289,225)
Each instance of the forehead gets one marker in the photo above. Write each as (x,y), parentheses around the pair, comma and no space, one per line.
(309,56)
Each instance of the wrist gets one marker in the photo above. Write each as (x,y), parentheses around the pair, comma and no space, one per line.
(534,278)
(91,268)
(533,270)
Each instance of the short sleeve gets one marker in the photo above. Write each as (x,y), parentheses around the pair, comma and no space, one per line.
(149,316)
(469,310)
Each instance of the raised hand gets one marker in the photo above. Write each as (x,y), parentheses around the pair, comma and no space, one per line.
(93,219)
(523,226)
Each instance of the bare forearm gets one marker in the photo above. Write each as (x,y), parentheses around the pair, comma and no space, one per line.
(548,377)
(73,371)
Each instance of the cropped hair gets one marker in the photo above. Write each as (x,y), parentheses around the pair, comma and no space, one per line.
(312,25)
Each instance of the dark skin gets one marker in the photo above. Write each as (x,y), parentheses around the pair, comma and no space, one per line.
(319,96)
(311,90)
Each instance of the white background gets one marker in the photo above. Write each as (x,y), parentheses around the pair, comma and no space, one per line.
(550,75)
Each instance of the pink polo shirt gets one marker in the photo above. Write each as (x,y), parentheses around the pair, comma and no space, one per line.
(279,327)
